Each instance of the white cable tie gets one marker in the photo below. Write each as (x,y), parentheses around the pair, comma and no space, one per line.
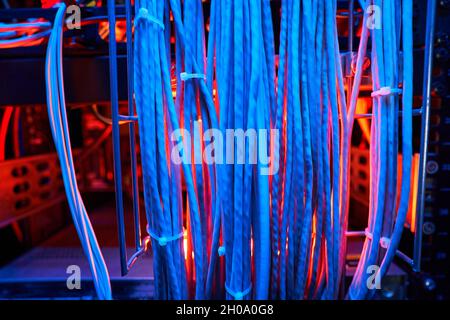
(385,91)
(384,242)
(238,295)
(368,234)
(165,239)
(184,76)
(143,14)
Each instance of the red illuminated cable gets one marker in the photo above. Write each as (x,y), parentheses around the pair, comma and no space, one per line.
(4,130)
(16,133)
(49,3)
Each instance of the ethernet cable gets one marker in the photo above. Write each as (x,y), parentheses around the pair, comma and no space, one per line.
(59,127)
(385,221)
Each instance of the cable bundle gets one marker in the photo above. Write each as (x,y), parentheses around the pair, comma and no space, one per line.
(281,234)
(252,228)
(386,216)
(60,132)
(24,34)
(305,204)
(162,180)
(242,38)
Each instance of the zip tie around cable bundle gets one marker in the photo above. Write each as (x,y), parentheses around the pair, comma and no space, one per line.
(238,295)
(384,242)
(368,234)
(187,76)
(143,14)
(385,91)
(162,241)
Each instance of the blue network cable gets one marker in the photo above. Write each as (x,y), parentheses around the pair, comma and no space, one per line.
(280,237)
(406,136)
(382,231)
(60,132)
(161,183)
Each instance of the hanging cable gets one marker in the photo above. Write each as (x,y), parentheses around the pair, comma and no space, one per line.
(256,236)
(59,127)
(385,221)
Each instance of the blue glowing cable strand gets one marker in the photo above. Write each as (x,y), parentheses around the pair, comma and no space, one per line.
(318,153)
(345,151)
(358,288)
(287,157)
(194,36)
(141,51)
(295,155)
(223,45)
(162,170)
(262,108)
(269,48)
(406,149)
(297,206)
(327,281)
(21,41)
(304,245)
(172,270)
(144,95)
(209,121)
(392,80)
(237,100)
(336,151)
(194,209)
(59,126)
(406,134)
(213,268)
(250,198)
(349,116)
(276,186)
(213,175)
(7,34)
(61,97)
(151,112)
(24,25)
(211,46)
(145,100)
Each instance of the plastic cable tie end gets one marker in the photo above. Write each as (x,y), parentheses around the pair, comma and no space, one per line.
(385,91)
(143,14)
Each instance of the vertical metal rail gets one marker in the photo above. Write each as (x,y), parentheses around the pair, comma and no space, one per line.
(426,105)
(116,132)
(132,126)
(348,71)
(351,23)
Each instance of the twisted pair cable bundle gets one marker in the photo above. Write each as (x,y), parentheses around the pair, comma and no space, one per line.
(281,236)
(33,33)
(251,235)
